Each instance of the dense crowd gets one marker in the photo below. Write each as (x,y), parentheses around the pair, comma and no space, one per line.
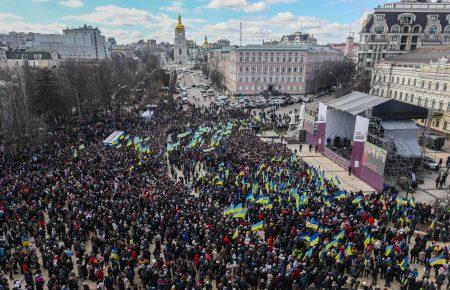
(198,201)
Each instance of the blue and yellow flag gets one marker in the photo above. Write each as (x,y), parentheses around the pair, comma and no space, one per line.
(229,210)
(258,226)
(436,261)
(367,241)
(312,224)
(314,239)
(404,264)
(235,234)
(333,243)
(388,250)
(240,214)
(25,242)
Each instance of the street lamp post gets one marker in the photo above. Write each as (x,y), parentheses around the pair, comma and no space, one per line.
(113,101)
(337,84)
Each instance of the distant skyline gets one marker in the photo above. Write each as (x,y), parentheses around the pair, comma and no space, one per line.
(131,20)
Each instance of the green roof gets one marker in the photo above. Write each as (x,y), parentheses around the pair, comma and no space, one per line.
(279,47)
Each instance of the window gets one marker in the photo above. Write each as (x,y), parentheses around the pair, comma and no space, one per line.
(423,84)
(426,103)
(411,98)
(395,29)
(433,17)
(379,29)
(415,81)
(445,87)
(429,85)
(437,86)
(441,105)
(432,29)
(380,17)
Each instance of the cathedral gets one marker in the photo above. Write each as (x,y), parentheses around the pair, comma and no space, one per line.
(180,52)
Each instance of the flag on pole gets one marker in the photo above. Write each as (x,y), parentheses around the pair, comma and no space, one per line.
(258,226)
(436,261)
(235,234)
(404,264)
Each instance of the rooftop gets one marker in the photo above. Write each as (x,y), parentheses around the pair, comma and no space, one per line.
(278,47)
(423,55)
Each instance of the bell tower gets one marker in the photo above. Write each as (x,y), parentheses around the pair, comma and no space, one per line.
(180,46)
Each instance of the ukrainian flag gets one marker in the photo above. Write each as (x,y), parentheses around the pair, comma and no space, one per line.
(262,200)
(333,243)
(258,226)
(229,210)
(388,250)
(339,236)
(235,234)
(404,264)
(238,208)
(269,206)
(114,254)
(129,143)
(249,197)
(309,253)
(241,214)
(312,225)
(25,242)
(339,257)
(314,239)
(436,261)
(367,241)
(357,200)
(348,251)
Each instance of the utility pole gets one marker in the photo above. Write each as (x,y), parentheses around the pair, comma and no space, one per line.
(337,84)
(113,102)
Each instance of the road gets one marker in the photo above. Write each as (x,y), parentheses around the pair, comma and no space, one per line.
(195,96)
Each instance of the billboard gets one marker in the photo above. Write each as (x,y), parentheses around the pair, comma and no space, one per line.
(361,129)
(322,116)
(308,123)
(374,158)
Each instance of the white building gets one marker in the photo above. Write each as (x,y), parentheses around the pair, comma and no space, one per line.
(422,78)
(83,43)
(180,51)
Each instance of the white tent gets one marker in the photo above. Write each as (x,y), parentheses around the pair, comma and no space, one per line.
(147,114)
(113,137)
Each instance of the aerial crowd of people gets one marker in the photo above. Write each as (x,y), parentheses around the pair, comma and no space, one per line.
(193,199)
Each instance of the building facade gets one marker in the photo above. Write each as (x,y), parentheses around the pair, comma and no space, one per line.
(180,51)
(35,59)
(253,69)
(399,27)
(422,78)
(83,43)
(297,38)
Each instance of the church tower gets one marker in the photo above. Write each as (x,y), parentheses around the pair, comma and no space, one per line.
(180,47)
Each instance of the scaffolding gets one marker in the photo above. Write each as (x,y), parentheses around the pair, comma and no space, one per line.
(398,169)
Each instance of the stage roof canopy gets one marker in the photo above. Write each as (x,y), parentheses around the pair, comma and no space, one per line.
(387,109)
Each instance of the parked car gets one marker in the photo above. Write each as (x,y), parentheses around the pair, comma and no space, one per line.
(430,163)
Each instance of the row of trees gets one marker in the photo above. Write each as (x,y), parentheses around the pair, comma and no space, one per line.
(342,74)
(35,100)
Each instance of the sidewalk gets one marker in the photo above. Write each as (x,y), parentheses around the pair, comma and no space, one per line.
(331,169)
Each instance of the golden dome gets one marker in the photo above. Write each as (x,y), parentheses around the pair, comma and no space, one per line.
(180,25)
(205,43)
